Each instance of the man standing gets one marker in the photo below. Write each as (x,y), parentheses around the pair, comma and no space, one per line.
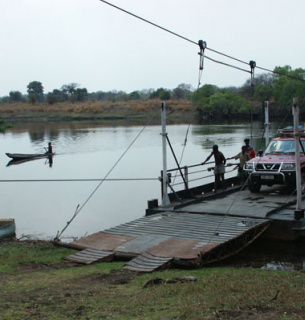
(249,149)
(243,157)
(219,170)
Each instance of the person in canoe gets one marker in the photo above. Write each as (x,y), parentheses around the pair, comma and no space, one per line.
(49,149)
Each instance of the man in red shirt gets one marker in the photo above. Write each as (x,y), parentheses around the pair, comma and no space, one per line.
(249,149)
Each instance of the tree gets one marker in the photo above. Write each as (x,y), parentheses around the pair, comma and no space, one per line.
(201,97)
(182,91)
(160,93)
(32,98)
(56,96)
(263,80)
(134,95)
(15,96)
(227,103)
(165,95)
(81,94)
(69,89)
(288,84)
(4,99)
(35,88)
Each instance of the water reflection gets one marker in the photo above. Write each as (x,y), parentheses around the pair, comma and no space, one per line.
(279,266)
(48,160)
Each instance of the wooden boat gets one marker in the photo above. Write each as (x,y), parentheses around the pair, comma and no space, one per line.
(19,156)
(7,228)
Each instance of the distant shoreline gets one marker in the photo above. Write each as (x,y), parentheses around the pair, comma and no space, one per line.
(134,112)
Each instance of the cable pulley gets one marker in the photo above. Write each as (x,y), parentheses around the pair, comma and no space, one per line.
(202,45)
(252,67)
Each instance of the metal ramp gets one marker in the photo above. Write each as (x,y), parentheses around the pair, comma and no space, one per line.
(147,263)
(169,238)
(90,256)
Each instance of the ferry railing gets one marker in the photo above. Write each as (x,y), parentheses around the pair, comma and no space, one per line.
(190,178)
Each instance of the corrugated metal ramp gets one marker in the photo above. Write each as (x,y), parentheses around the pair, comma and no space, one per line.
(90,256)
(148,263)
(158,240)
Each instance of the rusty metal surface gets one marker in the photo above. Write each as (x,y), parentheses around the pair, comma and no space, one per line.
(90,256)
(181,248)
(148,263)
(101,240)
(141,243)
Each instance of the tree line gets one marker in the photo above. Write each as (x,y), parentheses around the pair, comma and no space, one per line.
(279,88)
(73,93)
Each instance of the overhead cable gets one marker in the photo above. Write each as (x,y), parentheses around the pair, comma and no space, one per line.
(196,43)
(147,21)
(79,180)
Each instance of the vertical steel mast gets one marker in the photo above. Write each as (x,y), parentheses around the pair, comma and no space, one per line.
(165,198)
(299,212)
(266,123)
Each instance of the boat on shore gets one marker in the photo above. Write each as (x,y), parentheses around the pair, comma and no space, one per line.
(20,156)
(7,228)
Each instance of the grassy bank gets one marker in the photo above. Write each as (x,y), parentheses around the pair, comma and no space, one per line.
(131,111)
(37,284)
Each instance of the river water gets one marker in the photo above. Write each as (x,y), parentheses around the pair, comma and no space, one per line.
(91,151)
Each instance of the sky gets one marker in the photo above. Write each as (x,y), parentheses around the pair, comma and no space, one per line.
(101,48)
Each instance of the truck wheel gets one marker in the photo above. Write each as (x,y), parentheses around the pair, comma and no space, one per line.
(254,187)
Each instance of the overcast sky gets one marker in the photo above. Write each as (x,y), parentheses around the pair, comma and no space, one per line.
(88,42)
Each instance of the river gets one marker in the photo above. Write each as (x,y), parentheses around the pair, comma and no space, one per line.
(129,157)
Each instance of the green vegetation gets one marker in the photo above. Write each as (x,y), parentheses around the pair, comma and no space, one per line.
(4,125)
(38,284)
(278,88)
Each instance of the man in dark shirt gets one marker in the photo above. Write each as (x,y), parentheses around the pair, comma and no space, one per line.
(219,170)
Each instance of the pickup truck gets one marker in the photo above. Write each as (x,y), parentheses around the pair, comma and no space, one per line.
(276,165)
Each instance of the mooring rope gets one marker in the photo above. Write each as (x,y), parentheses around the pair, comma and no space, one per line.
(79,208)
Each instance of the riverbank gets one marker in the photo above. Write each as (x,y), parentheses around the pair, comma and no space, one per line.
(38,284)
(137,112)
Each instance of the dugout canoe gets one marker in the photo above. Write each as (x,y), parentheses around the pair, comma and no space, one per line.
(19,156)
(7,228)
